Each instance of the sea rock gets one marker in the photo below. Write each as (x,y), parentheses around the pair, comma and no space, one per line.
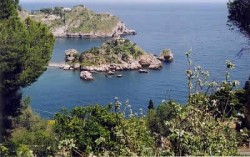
(145,60)
(134,65)
(121,29)
(150,60)
(76,66)
(61,66)
(85,75)
(121,67)
(167,55)
(111,73)
(66,67)
(101,68)
(70,55)
(155,64)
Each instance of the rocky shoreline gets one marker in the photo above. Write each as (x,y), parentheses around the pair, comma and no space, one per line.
(119,30)
(114,55)
(147,61)
(141,64)
(79,22)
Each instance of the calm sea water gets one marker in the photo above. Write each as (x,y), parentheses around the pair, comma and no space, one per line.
(178,26)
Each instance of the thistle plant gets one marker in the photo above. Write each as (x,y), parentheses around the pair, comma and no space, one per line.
(197,79)
(196,127)
(189,73)
(132,132)
(69,145)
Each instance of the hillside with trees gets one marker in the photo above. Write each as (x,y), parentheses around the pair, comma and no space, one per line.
(79,22)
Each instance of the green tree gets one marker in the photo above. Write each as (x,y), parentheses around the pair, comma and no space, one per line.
(90,128)
(239,14)
(151,104)
(8,8)
(103,131)
(25,50)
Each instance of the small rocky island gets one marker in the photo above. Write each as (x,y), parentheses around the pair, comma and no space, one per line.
(167,55)
(79,22)
(113,55)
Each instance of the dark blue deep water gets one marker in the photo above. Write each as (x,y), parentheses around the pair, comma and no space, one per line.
(178,26)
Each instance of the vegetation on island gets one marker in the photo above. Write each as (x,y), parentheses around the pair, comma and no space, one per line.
(167,55)
(214,120)
(90,21)
(79,19)
(166,52)
(113,51)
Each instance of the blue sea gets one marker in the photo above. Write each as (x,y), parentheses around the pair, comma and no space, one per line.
(178,26)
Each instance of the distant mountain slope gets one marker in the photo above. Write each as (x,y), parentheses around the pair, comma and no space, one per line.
(79,21)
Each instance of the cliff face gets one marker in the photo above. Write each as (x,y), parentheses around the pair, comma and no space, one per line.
(80,22)
(119,29)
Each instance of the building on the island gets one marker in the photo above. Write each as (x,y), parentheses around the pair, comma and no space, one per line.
(66,9)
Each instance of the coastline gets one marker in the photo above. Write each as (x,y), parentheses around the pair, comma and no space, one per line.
(119,30)
(71,23)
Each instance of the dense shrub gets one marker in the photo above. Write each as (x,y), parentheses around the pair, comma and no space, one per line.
(103,131)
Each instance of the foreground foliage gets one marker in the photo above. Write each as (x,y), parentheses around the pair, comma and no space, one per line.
(239,14)
(239,17)
(103,131)
(209,124)
(25,50)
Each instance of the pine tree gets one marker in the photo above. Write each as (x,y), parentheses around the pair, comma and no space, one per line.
(239,14)
(8,8)
(25,50)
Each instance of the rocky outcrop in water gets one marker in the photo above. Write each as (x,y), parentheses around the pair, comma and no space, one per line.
(113,67)
(121,29)
(150,61)
(66,67)
(167,55)
(71,55)
(86,75)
